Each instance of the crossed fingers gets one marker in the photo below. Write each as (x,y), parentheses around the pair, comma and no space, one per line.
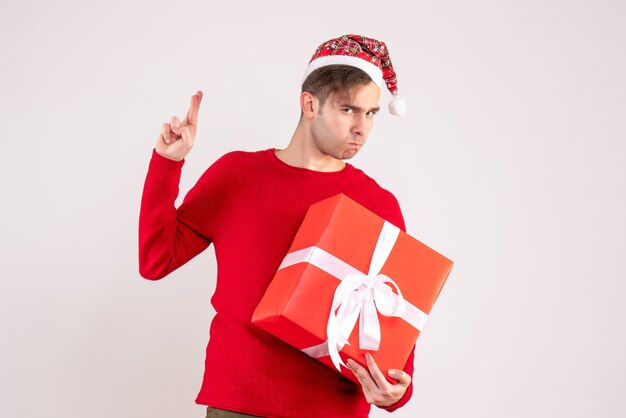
(175,130)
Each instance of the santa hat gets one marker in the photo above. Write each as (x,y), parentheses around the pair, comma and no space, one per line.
(366,54)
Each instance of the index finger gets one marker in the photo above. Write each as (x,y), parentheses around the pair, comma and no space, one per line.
(377,375)
(363,376)
(192,114)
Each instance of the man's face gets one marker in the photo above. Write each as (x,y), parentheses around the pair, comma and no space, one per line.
(343,124)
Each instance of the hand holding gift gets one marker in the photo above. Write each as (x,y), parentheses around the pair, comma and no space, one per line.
(377,390)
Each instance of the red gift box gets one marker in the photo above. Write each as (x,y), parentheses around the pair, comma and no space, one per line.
(348,265)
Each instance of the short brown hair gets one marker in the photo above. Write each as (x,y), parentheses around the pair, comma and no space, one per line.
(332,79)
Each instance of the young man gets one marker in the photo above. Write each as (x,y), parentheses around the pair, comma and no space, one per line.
(250,205)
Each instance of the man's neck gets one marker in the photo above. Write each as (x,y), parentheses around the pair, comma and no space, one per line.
(302,153)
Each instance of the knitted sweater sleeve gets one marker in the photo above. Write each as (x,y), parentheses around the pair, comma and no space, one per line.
(389,209)
(169,237)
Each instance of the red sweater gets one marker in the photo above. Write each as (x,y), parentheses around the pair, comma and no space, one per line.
(250,205)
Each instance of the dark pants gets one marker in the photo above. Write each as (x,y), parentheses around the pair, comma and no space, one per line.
(220,413)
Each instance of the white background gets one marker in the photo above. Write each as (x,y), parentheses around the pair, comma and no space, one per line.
(511,161)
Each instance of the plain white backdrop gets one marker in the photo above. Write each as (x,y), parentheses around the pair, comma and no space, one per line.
(511,161)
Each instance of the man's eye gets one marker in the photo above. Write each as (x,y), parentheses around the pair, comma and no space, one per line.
(371,114)
(347,110)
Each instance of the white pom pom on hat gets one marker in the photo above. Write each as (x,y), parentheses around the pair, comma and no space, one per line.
(367,54)
(397,106)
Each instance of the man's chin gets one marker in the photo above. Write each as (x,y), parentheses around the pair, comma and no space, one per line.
(349,153)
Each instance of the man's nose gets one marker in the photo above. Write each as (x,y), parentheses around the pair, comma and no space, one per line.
(359,125)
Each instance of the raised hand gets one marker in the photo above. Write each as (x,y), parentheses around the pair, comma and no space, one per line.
(176,138)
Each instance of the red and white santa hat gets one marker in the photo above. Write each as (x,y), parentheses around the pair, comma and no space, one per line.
(367,54)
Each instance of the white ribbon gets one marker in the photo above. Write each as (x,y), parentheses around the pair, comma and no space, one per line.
(358,296)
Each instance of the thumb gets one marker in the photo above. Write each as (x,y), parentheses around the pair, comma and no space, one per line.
(402,377)
(175,125)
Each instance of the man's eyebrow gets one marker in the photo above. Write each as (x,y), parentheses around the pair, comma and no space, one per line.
(357,108)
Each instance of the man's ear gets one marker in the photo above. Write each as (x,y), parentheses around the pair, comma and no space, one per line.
(309,104)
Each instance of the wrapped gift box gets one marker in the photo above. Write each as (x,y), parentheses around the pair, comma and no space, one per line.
(352,283)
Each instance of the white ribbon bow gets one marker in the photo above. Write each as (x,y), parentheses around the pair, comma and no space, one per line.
(361,296)
(358,296)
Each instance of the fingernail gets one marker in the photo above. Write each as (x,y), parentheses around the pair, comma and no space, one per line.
(392,373)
